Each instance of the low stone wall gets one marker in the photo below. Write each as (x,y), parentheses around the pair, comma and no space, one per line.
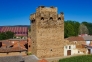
(12,54)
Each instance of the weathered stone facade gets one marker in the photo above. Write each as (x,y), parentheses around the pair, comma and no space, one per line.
(47,32)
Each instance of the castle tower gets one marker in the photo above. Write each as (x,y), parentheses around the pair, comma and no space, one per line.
(47,32)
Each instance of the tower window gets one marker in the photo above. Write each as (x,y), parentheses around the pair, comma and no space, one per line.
(51,50)
(33,21)
(51,18)
(42,18)
(59,18)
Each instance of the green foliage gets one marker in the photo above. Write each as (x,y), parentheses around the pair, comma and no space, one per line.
(6,35)
(89,26)
(71,28)
(83,29)
(83,58)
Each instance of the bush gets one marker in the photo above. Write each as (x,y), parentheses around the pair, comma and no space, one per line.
(6,35)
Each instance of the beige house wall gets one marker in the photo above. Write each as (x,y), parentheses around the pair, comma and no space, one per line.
(12,54)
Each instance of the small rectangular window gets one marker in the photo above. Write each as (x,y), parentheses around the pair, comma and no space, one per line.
(69,47)
(78,51)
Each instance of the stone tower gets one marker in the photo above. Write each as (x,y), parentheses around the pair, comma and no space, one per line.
(47,32)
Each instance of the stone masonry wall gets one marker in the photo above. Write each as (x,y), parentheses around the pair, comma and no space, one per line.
(47,32)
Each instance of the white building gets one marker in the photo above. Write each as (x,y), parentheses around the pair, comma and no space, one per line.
(71,50)
(75,46)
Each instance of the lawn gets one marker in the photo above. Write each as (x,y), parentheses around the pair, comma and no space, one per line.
(83,58)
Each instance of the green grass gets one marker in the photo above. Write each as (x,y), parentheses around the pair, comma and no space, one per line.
(83,58)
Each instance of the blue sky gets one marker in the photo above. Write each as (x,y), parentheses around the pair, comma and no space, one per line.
(17,12)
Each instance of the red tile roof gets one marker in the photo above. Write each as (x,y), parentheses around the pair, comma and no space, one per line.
(75,39)
(6,42)
(20,31)
(17,46)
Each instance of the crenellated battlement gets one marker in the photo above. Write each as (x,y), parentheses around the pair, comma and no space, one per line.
(32,16)
(47,17)
(41,9)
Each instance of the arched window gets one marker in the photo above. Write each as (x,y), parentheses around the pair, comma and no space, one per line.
(33,21)
(51,50)
(59,18)
(51,18)
(42,18)
(75,42)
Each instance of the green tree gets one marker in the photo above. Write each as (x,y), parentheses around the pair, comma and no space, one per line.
(71,28)
(6,35)
(83,29)
(9,34)
(89,26)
